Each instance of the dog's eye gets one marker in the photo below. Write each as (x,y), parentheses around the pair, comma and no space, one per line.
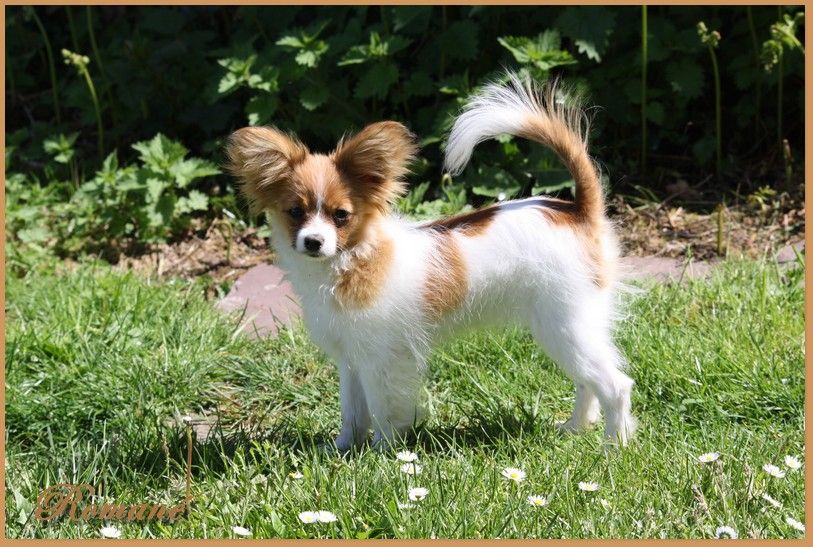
(340,215)
(296,212)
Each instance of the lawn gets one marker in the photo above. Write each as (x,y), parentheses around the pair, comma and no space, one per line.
(102,366)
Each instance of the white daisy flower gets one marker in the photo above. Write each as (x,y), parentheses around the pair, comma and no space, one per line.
(407,456)
(326,516)
(588,486)
(418,494)
(240,531)
(537,501)
(708,457)
(772,501)
(725,532)
(792,462)
(110,532)
(514,474)
(406,505)
(309,517)
(295,475)
(795,523)
(411,469)
(773,470)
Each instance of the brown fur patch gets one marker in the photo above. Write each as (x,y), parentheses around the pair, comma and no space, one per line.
(446,281)
(374,162)
(263,159)
(468,224)
(359,286)
(566,213)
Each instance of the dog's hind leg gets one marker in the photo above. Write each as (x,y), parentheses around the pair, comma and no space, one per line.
(585,410)
(581,345)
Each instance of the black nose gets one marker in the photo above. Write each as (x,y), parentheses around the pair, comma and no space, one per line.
(314,243)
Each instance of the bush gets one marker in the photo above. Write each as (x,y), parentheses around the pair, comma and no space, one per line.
(197,73)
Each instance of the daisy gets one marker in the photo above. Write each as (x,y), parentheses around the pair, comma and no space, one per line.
(240,531)
(406,505)
(773,471)
(309,517)
(537,501)
(792,462)
(295,475)
(407,456)
(588,486)
(772,501)
(411,469)
(725,532)
(418,494)
(110,532)
(325,516)
(708,457)
(514,474)
(795,523)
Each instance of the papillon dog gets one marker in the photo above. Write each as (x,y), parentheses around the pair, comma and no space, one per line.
(379,291)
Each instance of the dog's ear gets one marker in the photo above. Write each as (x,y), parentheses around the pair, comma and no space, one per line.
(375,160)
(262,158)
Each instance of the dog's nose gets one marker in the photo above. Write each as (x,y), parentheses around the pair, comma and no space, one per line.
(314,243)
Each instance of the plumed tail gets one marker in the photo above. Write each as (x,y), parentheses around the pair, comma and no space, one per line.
(543,113)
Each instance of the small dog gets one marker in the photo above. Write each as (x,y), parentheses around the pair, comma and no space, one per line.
(378,292)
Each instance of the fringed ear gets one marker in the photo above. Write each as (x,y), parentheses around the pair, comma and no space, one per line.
(375,160)
(261,158)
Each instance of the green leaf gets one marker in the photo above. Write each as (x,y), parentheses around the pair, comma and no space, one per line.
(313,97)
(493,181)
(160,153)
(459,41)
(377,81)
(61,147)
(185,171)
(155,187)
(686,77)
(196,201)
(261,108)
(589,28)
(541,52)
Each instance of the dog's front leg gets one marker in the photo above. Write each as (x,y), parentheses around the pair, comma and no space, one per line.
(355,415)
(392,390)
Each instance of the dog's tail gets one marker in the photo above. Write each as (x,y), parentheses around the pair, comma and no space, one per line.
(543,113)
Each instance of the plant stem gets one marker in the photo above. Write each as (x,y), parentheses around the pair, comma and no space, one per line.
(51,66)
(720,229)
(644,57)
(95,99)
(718,113)
(758,70)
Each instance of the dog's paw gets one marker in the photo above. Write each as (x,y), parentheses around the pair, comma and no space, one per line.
(571,426)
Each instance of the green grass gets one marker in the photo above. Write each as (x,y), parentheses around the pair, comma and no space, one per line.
(100,366)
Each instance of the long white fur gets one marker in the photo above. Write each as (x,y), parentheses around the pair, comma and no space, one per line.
(522,270)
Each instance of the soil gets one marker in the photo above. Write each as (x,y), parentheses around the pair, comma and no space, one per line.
(659,229)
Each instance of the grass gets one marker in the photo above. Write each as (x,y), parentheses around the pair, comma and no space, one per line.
(100,367)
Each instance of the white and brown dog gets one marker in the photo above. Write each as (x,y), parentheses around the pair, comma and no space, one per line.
(378,292)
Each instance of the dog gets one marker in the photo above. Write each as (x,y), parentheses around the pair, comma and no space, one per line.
(378,291)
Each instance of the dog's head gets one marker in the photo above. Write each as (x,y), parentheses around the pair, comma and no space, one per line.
(326,202)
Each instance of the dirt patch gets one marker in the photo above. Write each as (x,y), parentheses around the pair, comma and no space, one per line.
(221,253)
(673,231)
